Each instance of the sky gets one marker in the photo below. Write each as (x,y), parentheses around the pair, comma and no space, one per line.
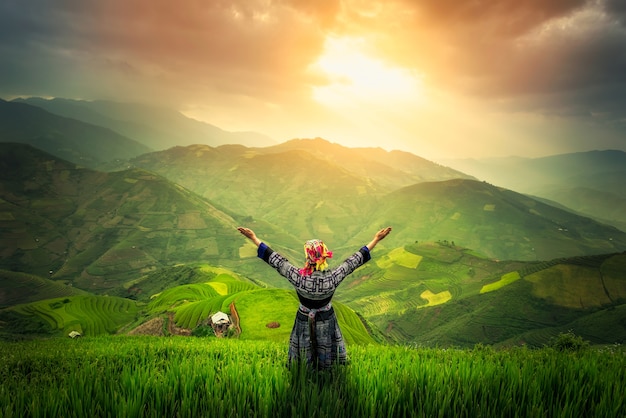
(439,78)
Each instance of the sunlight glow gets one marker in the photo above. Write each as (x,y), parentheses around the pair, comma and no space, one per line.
(356,76)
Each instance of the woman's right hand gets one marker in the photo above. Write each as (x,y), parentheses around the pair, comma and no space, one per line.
(379,235)
(383,233)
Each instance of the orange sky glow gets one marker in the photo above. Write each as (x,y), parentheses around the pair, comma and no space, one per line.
(439,78)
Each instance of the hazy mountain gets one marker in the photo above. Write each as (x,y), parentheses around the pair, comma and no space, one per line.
(98,230)
(298,192)
(157,127)
(495,221)
(306,187)
(121,232)
(303,189)
(70,139)
(591,183)
(390,169)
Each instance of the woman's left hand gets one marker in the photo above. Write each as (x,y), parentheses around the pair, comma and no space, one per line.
(248,233)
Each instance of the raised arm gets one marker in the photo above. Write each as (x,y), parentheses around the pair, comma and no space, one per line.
(380,235)
(248,233)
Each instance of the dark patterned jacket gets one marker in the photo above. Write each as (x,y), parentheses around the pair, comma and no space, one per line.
(317,289)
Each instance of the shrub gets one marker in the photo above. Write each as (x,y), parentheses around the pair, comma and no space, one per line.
(568,341)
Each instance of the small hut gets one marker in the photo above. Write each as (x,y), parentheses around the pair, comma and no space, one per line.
(220,323)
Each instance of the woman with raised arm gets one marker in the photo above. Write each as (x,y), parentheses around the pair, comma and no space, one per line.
(315,337)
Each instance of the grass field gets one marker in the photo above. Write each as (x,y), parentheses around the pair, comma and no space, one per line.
(185,377)
(89,315)
(17,288)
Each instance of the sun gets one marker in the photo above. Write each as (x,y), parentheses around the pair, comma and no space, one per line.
(354,76)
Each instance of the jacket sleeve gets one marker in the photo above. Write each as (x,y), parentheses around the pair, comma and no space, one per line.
(292,273)
(280,263)
(350,264)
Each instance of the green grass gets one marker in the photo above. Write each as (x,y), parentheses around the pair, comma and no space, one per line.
(177,295)
(190,315)
(89,315)
(504,280)
(17,288)
(572,286)
(257,307)
(154,377)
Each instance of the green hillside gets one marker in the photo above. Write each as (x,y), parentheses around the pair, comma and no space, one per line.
(497,222)
(590,183)
(355,191)
(293,190)
(255,307)
(467,262)
(97,230)
(17,288)
(90,315)
(444,295)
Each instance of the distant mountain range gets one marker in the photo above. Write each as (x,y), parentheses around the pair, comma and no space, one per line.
(305,188)
(67,138)
(469,261)
(589,183)
(156,127)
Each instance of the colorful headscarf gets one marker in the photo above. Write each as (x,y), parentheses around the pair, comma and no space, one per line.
(316,254)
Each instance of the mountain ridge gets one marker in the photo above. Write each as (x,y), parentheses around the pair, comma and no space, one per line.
(118,232)
(157,127)
(70,139)
(590,183)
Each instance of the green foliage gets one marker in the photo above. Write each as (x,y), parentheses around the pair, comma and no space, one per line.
(15,325)
(177,295)
(203,331)
(147,376)
(568,341)
(17,288)
(89,315)
(136,234)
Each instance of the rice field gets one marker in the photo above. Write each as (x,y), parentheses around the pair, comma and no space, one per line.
(208,377)
(89,315)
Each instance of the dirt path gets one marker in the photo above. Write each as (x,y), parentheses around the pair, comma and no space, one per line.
(173,329)
(235,316)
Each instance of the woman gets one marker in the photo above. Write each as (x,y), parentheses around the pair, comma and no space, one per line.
(315,336)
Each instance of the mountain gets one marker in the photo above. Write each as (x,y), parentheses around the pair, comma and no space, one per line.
(70,139)
(17,288)
(304,188)
(498,222)
(589,183)
(467,263)
(156,127)
(445,295)
(301,194)
(389,169)
(98,230)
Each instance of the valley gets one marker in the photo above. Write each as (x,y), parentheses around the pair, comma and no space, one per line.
(154,235)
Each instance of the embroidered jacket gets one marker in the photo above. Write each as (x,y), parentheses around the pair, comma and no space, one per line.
(317,289)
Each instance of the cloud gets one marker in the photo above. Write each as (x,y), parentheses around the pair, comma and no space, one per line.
(506,49)
(256,48)
(252,59)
